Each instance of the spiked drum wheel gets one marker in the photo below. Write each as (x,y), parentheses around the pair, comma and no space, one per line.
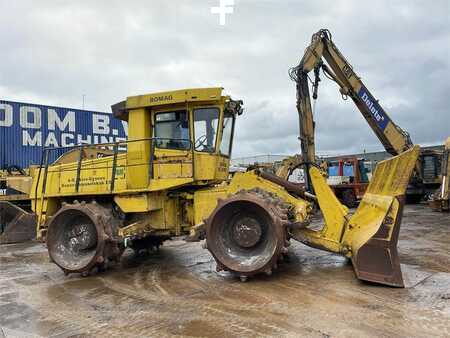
(80,238)
(246,233)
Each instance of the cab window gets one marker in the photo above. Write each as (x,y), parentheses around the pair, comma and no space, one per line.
(227,134)
(205,129)
(172,130)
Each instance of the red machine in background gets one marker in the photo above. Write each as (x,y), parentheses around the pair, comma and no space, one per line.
(349,178)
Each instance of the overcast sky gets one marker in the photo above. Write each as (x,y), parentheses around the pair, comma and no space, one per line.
(55,51)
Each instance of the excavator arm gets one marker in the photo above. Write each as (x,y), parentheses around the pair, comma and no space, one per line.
(368,236)
(322,54)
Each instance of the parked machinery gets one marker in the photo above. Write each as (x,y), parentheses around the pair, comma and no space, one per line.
(172,179)
(287,166)
(427,176)
(348,179)
(440,200)
(17,222)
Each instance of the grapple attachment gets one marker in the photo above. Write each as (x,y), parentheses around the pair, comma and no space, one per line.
(371,234)
(16,224)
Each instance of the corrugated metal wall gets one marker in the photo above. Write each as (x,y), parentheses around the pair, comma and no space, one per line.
(26,128)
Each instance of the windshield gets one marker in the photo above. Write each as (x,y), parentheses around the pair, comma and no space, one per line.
(205,129)
(172,129)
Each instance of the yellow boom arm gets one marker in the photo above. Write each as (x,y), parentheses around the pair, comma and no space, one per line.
(394,139)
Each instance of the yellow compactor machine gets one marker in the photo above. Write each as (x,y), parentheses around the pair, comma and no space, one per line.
(170,178)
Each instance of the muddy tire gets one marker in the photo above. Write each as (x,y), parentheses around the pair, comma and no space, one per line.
(246,233)
(81,237)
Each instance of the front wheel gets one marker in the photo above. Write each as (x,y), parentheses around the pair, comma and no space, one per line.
(246,233)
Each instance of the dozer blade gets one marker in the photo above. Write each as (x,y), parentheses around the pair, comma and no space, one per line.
(372,232)
(16,224)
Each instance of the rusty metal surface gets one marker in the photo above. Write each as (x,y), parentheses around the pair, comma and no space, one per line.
(81,238)
(16,224)
(176,292)
(246,233)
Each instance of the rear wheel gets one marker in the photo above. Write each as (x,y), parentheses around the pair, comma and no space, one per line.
(246,233)
(81,237)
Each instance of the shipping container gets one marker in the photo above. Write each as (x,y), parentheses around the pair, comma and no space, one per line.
(26,128)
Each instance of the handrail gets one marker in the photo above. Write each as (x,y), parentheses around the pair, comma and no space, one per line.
(44,155)
(77,180)
(114,167)
(115,145)
(110,144)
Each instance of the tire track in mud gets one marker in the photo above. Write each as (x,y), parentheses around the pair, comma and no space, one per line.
(142,286)
(141,278)
(84,319)
(238,325)
(363,303)
(154,277)
(416,319)
(222,313)
(84,308)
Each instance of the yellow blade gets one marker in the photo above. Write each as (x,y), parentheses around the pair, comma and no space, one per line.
(372,232)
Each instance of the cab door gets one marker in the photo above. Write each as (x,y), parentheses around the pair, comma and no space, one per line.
(172,158)
(138,148)
(205,136)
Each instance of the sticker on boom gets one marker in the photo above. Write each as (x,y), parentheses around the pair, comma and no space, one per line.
(374,108)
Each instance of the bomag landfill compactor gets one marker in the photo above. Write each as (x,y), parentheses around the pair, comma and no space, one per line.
(171,178)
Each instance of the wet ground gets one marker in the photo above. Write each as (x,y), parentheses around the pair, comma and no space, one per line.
(177,292)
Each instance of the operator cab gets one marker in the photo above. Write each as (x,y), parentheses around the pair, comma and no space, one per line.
(185,133)
(171,130)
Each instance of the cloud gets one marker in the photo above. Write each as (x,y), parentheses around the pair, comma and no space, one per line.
(56,51)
